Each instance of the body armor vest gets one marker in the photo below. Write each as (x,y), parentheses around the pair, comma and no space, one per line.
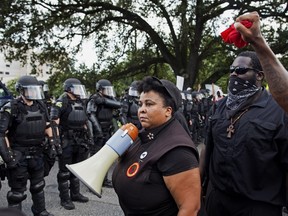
(77,117)
(195,108)
(31,130)
(189,106)
(104,114)
(133,110)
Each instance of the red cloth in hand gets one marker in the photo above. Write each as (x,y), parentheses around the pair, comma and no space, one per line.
(232,36)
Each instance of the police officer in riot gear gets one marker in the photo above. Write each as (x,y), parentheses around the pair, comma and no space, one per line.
(206,104)
(188,109)
(129,109)
(47,97)
(24,124)
(48,160)
(69,112)
(196,117)
(6,155)
(100,109)
(5,97)
(5,94)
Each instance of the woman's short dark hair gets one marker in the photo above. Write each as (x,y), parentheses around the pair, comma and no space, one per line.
(153,84)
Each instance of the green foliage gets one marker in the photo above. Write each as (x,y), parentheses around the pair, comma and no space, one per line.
(11,86)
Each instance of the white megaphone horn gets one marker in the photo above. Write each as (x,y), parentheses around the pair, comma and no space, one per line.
(92,171)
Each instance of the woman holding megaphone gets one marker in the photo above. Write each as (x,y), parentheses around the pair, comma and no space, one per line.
(159,174)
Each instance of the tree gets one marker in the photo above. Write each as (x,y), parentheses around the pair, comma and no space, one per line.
(151,33)
(11,87)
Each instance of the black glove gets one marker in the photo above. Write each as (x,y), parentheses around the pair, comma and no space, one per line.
(90,142)
(7,154)
(99,135)
(12,158)
(52,152)
(58,146)
(98,139)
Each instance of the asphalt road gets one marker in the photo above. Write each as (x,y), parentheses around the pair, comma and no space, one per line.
(107,205)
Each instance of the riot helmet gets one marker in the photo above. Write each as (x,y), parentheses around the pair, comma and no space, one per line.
(74,86)
(105,87)
(29,87)
(133,89)
(200,96)
(197,96)
(44,86)
(205,92)
(45,89)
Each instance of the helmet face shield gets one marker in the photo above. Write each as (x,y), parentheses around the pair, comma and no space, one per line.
(133,92)
(183,96)
(45,88)
(79,90)
(108,91)
(189,96)
(33,92)
(200,96)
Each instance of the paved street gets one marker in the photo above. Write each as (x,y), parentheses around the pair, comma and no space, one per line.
(106,206)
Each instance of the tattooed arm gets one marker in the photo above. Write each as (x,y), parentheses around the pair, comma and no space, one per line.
(275,73)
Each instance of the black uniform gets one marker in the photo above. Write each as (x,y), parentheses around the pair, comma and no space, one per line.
(47,97)
(74,141)
(187,110)
(26,126)
(196,120)
(129,110)
(48,160)
(5,96)
(100,110)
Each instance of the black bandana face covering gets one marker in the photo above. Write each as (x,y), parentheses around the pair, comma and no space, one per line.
(237,85)
(239,90)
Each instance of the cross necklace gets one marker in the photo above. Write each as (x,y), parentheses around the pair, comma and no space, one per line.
(231,129)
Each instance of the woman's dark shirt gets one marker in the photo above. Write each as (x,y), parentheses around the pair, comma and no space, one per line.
(163,151)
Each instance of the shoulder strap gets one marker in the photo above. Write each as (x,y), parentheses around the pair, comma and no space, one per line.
(43,107)
(15,108)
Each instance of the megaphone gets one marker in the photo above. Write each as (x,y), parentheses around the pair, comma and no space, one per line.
(92,171)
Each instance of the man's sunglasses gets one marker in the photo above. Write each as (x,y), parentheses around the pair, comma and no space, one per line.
(241,70)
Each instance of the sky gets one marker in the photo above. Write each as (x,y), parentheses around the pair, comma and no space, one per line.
(87,55)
